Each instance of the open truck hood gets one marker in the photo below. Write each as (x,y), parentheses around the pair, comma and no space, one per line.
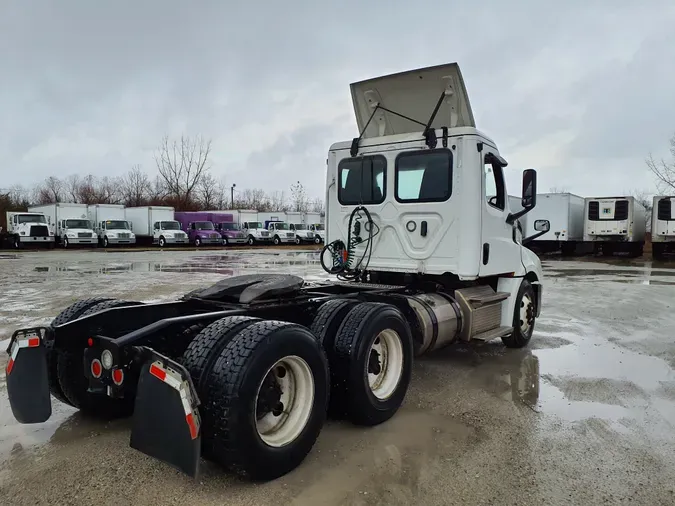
(415,94)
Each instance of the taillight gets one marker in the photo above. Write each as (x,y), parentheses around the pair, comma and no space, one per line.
(118,376)
(96,368)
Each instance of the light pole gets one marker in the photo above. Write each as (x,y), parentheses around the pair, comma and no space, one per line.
(232,194)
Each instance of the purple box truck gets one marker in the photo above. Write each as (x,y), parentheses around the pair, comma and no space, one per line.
(229,230)
(199,227)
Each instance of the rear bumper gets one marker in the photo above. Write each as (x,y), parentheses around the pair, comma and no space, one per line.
(35,239)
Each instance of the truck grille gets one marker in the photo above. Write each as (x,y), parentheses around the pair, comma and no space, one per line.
(123,236)
(215,236)
(664,210)
(289,235)
(621,210)
(264,234)
(594,210)
(39,231)
(83,234)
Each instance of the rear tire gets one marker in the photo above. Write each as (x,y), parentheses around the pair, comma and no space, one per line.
(373,356)
(74,383)
(524,315)
(72,312)
(268,366)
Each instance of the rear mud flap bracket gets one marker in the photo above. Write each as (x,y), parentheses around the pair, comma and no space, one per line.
(166,423)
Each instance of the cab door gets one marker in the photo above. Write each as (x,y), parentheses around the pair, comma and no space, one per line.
(500,253)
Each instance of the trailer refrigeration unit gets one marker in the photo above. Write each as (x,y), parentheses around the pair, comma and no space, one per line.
(245,371)
(70,223)
(565,212)
(110,224)
(20,229)
(199,227)
(663,227)
(155,224)
(615,225)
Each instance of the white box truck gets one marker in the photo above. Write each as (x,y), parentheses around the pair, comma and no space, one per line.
(21,228)
(298,225)
(70,223)
(663,226)
(615,225)
(253,228)
(110,224)
(565,212)
(155,224)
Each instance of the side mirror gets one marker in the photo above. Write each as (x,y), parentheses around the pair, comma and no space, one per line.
(541,226)
(529,199)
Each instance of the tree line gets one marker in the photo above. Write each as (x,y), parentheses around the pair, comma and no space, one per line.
(183,180)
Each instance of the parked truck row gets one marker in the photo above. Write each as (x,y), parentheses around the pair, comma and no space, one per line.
(106,225)
(600,225)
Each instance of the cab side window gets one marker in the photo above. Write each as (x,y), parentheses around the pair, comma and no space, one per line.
(495,193)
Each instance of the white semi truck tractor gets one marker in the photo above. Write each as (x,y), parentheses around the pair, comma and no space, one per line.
(24,228)
(422,251)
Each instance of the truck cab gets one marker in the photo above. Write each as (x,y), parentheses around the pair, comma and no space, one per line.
(302,233)
(421,193)
(168,232)
(231,233)
(114,232)
(319,232)
(28,228)
(76,231)
(280,232)
(203,232)
(256,233)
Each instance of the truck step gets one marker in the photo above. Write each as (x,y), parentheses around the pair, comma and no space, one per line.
(488,335)
(483,299)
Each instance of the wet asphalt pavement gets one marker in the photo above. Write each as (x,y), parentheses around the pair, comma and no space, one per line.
(585,415)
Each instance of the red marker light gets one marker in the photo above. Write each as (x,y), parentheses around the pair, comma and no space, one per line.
(96,368)
(193,426)
(10,365)
(118,376)
(90,342)
(157,372)
(33,342)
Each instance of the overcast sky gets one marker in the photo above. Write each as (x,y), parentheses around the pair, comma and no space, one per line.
(582,90)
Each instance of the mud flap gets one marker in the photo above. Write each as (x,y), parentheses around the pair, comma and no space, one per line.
(26,372)
(166,422)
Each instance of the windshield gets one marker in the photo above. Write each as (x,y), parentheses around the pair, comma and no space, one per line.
(300,227)
(116,225)
(31,218)
(169,225)
(77,224)
(280,226)
(203,225)
(253,224)
(318,227)
(228,226)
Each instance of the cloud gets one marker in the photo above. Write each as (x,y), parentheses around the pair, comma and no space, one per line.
(579,90)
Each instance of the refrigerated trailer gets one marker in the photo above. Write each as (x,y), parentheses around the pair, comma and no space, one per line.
(244,372)
(565,212)
(69,222)
(615,225)
(155,224)
(110,224)
(663,226)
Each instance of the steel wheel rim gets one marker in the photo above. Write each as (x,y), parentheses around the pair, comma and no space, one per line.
(526,313)
(387,351)
(281,427)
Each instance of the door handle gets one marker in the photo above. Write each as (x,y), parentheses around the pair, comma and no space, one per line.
(423,229)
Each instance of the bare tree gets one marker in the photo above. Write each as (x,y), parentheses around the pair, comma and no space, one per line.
(72,187)
(317,206)
(51,190)
(277,202)
(664,171)
(211,192)
(135,187)
(182,164)
(299,197)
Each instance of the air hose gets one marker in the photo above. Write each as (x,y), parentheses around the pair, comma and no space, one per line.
(342,255)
